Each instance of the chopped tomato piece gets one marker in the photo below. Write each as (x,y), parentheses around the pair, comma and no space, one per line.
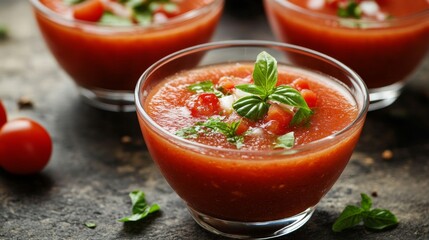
(242,127)
(90,10)
(278,119)
(226,84)
(310,97)
(300,84)
(205,104)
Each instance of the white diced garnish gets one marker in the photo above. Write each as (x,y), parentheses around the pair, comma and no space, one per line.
(226,103)
(255,132)
(369,8)
(160,18)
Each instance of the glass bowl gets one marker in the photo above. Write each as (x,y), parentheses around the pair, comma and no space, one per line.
(250,194)
(106,61)
(384,53)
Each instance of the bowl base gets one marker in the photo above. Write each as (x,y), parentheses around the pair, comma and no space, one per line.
(384,96)
(115,101)
(252,230)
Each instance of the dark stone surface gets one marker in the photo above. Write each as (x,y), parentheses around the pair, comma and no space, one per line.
(92,171)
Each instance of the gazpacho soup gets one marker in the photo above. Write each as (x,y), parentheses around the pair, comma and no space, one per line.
(107,44)
(383,41)
(240,141)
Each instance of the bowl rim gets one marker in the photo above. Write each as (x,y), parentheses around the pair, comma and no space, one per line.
(366,23)
(356,80)
(69,21)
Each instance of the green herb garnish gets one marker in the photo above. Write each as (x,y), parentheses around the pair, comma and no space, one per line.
(285,141)
(91,225)
(215,125)
(264,89)
(350,10)
(143,10)
(205,86)
(3,32)
(140,209)
(376,219)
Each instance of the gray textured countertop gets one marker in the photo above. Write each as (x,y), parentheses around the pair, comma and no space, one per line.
(92,171)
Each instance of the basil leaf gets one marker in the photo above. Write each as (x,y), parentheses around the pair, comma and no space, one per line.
(265,72)
(189,132)
(379,219)
(206,86)
(139,209)
(350,217)
(251,107)
(285,141)
(251,88)
(141,215)
(91,225)
(138,201)
(301,116)
(352,9)
(288,95)
(366,202)
(376,219)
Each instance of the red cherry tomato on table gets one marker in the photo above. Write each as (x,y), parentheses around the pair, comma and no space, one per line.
(25,146)
(3,116)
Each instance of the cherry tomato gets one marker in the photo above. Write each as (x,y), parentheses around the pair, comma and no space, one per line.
(3,116)
(90,10)
(278,119)
(205,104)
(310,97)
(25,146)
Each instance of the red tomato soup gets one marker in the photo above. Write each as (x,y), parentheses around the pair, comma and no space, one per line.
(246,183)
(113,57)
(383,49)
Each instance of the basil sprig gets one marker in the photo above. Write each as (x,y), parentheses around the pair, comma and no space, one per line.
(264,89)
(140,209)
(376,219)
